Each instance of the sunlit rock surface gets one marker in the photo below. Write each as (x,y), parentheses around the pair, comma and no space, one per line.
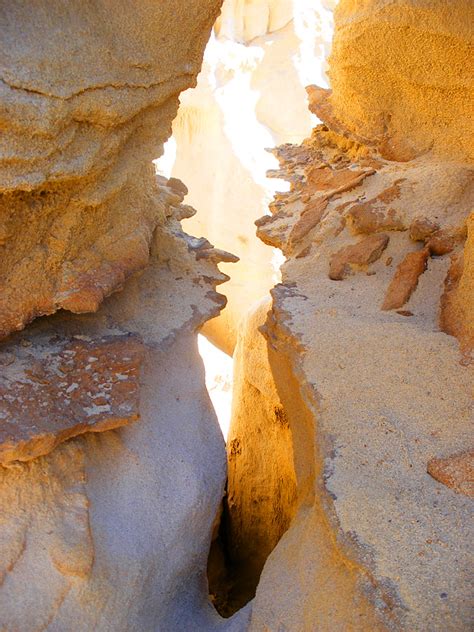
(400,79)
(112,465)
(87,96)
(378,395)
(250,96)
(261,486)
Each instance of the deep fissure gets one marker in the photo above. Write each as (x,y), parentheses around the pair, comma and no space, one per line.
(334,316)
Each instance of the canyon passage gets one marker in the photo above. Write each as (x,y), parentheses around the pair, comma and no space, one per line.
(236,315)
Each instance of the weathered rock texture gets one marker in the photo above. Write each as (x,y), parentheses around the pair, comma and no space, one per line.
(250,96)
(62,387)
(87,96)
(261,486)
(109,530)
(119,522)
(399,74)
(377,230)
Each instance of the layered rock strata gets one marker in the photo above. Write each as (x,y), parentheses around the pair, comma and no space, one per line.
(87,97)
(376,230)
(119,521)
(112,465)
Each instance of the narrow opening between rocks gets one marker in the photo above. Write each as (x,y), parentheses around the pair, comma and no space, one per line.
(219,379)
(250,96)
(260,495)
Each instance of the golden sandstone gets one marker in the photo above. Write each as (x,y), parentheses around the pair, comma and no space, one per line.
(344,501)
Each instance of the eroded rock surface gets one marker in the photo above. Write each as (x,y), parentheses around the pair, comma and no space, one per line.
(250,96)
(119,521)
(379,397)
(418,50)
(104,524)
(58,387)
(261,487)
(82,116)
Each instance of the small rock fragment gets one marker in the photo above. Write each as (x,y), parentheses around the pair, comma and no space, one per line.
(309,219)
(421,228)
(443,242)
(359,255)
(335,181)
(405,279)
(456,472)
(373,216)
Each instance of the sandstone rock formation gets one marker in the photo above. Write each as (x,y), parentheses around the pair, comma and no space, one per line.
(61,387)
(261,486)
(250,96)
(112,465)
(119,522)
(350,456)
(377,231)
(399,76)
(87,97)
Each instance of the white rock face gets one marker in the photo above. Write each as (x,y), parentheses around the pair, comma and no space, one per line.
(250,96)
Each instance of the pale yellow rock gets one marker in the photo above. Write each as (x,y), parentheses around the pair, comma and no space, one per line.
(250,96)
(399,71)
(244,20)
(261,488)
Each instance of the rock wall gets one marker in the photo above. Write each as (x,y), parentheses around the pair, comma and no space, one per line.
(400,77)
(377,232)
(261,485)
(112,465)
(87,98)
(250,96)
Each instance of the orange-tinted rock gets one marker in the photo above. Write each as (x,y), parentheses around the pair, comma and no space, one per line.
(373,216)
(456,472)
(457,302)
(442,242)
(357,256)
(310,218)
(392,69)
(335,181)
(55,389)
(422,228)
(320,104)
(405,279)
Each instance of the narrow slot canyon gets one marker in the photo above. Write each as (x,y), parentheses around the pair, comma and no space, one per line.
(236,316)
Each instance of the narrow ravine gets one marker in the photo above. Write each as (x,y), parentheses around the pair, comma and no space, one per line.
(236,316)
